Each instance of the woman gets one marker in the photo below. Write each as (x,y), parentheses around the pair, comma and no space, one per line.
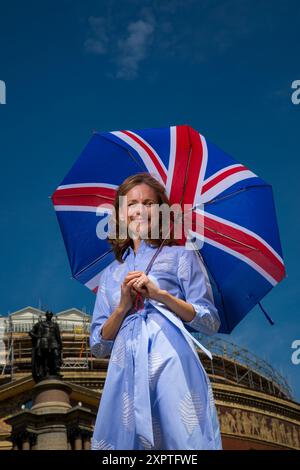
(156,394)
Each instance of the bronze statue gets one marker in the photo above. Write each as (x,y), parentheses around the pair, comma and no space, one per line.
(46,349)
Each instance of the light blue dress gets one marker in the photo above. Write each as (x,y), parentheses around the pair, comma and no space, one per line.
(157,394)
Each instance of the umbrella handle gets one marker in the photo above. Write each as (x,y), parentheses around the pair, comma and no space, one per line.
(139,302)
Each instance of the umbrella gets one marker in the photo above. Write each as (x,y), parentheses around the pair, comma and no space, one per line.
(239,242)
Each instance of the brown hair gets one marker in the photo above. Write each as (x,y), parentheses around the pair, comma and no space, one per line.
(119,245)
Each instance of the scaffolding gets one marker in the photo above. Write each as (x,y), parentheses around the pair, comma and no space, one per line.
(245,367)
(81,362)
(73,332)
(231,364)
(8,365)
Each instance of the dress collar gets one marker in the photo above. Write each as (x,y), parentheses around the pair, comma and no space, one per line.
(143,247)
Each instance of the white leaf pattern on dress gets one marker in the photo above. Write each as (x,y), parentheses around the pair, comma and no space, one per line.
(204,318)
(183,267)
(101,445)
(118,272)
(145,443)
(157,434)
(133,342)
(191,410)
(103,290)
(165,262)
(128,411)
(155,366)
(118,355)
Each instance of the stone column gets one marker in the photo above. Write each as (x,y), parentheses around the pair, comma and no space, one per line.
(78,442)
(86,436)
(25,442)
(15,442)
(33,441)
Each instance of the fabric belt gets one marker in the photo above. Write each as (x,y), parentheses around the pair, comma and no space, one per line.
(142,402)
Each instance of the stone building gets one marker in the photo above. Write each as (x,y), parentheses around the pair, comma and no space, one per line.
(254,402)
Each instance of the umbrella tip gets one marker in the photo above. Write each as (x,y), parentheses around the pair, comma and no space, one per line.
(266,315)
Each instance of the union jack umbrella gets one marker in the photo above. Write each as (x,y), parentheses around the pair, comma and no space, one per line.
(241,247)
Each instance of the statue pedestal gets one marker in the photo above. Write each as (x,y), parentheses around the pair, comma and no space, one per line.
(51,396)
(52,423)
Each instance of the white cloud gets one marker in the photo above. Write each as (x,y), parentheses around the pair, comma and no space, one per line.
(134,48)
(125,46)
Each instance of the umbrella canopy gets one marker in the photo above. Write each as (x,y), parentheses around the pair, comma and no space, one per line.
(241,247)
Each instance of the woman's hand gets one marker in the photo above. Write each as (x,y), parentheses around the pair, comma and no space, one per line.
(127,298)
(140,282)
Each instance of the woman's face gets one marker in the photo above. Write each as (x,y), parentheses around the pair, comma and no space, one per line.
(140,209)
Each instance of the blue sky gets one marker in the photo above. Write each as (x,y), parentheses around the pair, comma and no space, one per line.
(70,67)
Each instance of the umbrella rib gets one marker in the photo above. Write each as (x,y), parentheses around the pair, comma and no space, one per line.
(230,238)
(96,195)
(93,262)
(134,159)
(217,199)
(124,149)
